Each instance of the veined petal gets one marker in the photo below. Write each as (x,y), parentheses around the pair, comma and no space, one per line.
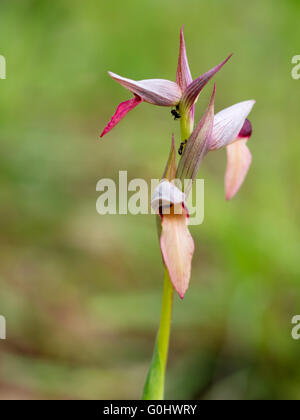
(177,248)
(191,93)
(197,146)
(155,91)
(238,162)
(120,113)
(183,75)
(229,122)
(171,166)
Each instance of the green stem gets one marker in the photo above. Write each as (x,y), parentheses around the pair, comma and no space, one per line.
(155,382)
(186,125)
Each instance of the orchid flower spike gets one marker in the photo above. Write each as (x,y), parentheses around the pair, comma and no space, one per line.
(181,94)
(229,128)
(176,242)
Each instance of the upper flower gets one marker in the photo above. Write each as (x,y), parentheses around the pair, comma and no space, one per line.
(183,93)
(229,128)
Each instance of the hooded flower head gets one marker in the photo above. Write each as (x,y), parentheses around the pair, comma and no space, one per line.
(181,94)
(229,128)
(232,130)
(176,242)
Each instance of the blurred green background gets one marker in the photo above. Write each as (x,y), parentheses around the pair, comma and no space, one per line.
(81,292)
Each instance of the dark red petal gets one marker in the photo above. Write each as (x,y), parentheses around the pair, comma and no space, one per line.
(246,130)
(120,113)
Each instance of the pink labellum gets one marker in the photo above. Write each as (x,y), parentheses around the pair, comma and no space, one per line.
(120,113)
(183,75)
(155,91)
(177,248)
(193,90)
(238,162)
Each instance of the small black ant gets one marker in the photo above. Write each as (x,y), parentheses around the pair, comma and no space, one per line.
(175,113)
(182,144)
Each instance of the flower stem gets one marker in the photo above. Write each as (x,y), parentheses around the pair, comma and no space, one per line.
(186,124)
(155,382)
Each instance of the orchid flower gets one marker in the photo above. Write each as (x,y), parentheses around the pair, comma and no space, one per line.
(229,128)
(176,242)
(232,130)
(181,94)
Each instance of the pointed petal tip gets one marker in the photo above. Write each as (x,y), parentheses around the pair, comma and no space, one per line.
(183,73)
(180,291)
(192,91)
(225,61)
(181,295)
(173,141)
(111,74)
(121,111)
(214,93)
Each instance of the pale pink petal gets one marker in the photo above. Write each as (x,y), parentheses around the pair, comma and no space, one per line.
(155,91)
(191,93)
(120,113)
(177,248)
(228,123)
(238,162)
(183,75)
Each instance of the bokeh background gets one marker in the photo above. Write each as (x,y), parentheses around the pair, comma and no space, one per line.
(81,292)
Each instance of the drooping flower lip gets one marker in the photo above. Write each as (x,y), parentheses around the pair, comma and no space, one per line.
(120,113)
(238,162)
(176,242)
(155,91)
(177,247)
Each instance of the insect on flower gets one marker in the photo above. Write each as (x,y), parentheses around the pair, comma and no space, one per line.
(175,113)
(182,144)
(184,92)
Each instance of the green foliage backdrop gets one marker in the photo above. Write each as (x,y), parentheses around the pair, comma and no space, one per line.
(80,292)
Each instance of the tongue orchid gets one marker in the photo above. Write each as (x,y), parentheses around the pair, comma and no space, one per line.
(181,94)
